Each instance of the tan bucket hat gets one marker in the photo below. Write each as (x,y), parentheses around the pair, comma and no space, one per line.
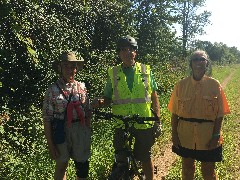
(68,57)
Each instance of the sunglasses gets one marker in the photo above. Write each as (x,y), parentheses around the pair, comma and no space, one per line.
(70,65)
(126,49)
(199,59)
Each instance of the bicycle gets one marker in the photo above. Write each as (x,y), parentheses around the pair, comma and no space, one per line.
(131,167)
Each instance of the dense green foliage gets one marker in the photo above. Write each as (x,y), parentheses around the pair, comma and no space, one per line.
(32,35)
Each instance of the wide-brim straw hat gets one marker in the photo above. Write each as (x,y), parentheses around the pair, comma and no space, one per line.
(68,57)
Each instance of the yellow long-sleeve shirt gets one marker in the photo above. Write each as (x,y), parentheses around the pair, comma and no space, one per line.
(202,99)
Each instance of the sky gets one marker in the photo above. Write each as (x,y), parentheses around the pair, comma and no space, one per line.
(225,22)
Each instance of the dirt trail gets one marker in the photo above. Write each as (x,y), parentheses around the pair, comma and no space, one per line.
(166,158)
(164,162)
(225,82)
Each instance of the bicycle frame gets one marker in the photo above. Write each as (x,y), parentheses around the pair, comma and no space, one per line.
(127,170)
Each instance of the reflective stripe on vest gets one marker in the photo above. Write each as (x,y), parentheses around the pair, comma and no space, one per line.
(135,101)
(126,101)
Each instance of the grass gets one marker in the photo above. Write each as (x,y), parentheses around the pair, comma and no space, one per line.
(36,164)
(221,72)
(229,168)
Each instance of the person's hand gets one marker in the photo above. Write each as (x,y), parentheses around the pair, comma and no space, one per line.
(97,102)
(157,129)
(213,143)
(176,141)
(88,121)
(88,116)
(53,152)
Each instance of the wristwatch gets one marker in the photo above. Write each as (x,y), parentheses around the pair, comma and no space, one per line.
(216,135)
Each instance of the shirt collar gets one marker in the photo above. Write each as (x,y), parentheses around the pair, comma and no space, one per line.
(61,80)
(194,82)
(131,67)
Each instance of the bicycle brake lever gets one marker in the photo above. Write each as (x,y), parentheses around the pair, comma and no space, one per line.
(127,117)
(136,115)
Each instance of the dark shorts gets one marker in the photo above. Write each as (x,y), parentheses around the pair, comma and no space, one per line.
(144,140)
(214,155)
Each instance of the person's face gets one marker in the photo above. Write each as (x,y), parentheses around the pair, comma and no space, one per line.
(127,55)
(69,70)
(199,65)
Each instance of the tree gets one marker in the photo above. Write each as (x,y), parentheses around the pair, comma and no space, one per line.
(192,22)
(156,38)
(219,53)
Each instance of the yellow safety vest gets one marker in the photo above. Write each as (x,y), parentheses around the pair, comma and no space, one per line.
(138,101)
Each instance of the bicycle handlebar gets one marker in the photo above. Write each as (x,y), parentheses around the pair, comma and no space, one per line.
(127,118)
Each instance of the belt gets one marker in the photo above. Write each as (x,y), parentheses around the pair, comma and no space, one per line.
(60,119)
(195,120)
(75,120)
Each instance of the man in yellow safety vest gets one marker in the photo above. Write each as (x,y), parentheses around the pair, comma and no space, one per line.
(131,89)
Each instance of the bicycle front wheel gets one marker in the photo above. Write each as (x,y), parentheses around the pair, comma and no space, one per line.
(120,172)
(136,170)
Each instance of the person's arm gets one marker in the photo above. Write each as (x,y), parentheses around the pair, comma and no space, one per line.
(154,95)
(217,126)
(216,139)
(53,152)
(47,116)
(155,103)
(88,112)
(105,100)
(47,126)
(174,123)
(216,135)
(48,132)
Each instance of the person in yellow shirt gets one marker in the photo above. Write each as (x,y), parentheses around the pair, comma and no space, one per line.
(198,105)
